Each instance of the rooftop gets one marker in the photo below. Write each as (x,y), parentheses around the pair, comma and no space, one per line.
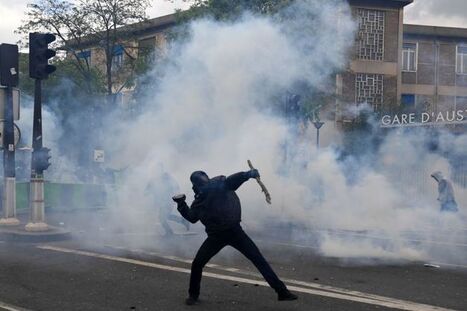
(435,31)
(137,29)
(381,3)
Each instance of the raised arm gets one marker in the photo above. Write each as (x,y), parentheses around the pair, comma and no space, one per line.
(233,182)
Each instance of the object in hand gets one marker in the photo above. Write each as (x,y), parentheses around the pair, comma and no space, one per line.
(179,198)
(254,173)
(258,179)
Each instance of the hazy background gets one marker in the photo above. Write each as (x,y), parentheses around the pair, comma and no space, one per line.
(212,111)
(450,13)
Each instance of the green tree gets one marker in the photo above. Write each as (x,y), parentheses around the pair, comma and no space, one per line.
(230,10)
(83,24)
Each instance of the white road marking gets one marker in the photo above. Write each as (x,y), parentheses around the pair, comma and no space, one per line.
(253,274)
(287,244)
(450,265)
(9,307)
(464,266)
(365,235)
(343,295)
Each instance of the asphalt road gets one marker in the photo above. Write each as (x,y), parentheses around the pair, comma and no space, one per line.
(99,270)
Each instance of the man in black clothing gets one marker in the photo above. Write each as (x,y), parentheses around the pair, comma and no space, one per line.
(218,208)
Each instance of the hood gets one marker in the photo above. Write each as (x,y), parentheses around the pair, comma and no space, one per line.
(437,176)
(199,179)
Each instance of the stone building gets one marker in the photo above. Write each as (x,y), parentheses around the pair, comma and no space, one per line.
(139,40)
(434,69)
(373,76)
(392,67)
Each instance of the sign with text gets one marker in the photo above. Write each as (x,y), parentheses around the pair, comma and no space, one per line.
(99,156)
(425,119)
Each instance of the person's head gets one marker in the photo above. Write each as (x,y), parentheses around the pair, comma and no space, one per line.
(437,176)
(198,179)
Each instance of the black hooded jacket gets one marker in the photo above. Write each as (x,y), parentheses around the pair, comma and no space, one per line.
(216,204)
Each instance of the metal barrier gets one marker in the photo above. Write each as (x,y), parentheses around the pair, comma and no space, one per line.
(62,196)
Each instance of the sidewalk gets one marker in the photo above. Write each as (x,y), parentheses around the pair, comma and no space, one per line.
(18,233)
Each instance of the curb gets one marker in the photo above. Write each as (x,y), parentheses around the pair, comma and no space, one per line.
(19,234)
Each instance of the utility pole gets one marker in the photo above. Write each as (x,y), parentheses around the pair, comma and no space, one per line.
(292,113)
(318,124)
(39,69)
(9,62)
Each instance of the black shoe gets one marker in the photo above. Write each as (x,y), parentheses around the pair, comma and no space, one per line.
(191,301)
(285,295)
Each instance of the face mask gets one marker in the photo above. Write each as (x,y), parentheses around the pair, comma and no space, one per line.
(199,179)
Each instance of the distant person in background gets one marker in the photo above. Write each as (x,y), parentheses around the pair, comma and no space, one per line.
(160,190)
(445,193)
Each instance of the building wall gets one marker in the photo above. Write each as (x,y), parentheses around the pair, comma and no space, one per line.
(373,76)
(435,83)
(155,43)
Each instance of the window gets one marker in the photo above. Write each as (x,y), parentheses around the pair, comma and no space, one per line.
(408,100)
(85,56)
(461,61)
(369,89)
(117,57)
(370,34)
(409,57)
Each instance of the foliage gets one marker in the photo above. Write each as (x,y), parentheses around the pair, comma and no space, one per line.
(231,10)
(67,73)
(84,24)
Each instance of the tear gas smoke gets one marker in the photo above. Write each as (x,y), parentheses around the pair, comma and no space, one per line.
(215,107)
(63,168)
(212,111)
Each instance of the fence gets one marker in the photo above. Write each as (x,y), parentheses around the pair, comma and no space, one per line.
(63,196)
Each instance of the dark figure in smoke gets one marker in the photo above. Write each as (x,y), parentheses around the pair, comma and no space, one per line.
(218,208)
(160,190)
(445,193)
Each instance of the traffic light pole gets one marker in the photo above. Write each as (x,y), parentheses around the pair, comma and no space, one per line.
(37,120)
(36,192)
(9,186)
(39,69)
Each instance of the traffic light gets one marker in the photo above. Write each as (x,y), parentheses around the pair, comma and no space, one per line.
(9,65)
(41,158)
(39,54)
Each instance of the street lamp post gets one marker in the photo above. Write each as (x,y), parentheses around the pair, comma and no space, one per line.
(318,125)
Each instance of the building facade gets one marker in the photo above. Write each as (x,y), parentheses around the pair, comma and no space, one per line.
(373,76)
(392,67)
(141,40)
(434,71)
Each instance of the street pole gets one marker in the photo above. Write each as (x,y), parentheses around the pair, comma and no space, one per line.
(36,191)
(318,125)
(9,185)
(317,139)
(39,69)
(9,64)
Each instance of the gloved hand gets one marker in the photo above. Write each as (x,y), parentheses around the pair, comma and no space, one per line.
(253,173)
(179,198)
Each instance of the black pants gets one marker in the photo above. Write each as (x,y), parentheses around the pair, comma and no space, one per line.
(239,240)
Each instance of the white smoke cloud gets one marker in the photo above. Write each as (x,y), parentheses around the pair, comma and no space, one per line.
(213,110)
(63,169)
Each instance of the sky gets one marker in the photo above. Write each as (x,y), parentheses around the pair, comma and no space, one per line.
(450,13)
(12,12)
